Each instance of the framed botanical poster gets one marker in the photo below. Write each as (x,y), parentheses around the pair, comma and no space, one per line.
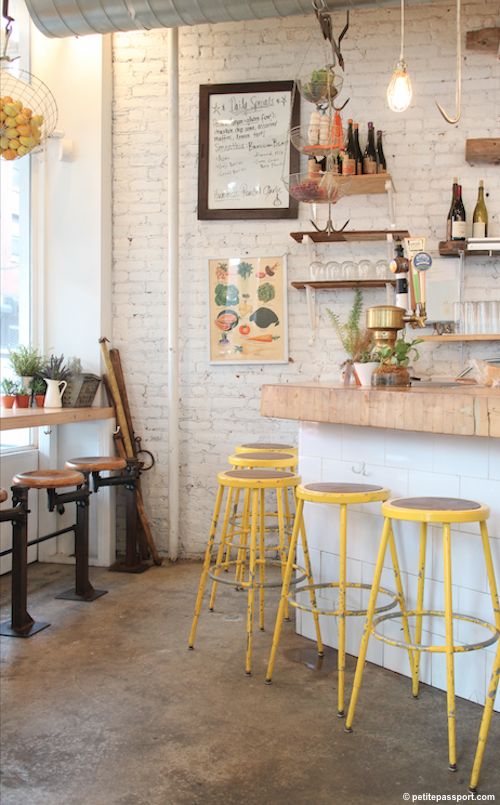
(248,310)
(245,150)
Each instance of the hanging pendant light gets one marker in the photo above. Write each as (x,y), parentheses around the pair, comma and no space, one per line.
(399,91)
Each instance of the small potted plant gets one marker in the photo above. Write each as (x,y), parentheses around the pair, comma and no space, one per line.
(394,362)
(357,343)
(55,373)
(22,398)
(9,388)
(38,387)
(26,363)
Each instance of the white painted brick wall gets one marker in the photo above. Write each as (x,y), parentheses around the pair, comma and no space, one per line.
(220,404)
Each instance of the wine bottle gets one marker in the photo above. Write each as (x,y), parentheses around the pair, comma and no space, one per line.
(480,217)
(382,165)
(349,160)
(458,218)
(448,220)
(357,150)
(370,155)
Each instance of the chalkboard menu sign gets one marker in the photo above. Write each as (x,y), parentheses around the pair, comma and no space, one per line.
(245,151)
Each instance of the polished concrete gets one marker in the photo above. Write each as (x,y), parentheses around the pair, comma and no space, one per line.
(108,707)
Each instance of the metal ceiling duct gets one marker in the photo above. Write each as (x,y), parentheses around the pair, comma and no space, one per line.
(60,18)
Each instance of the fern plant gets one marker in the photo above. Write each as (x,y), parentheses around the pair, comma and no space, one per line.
(357,342)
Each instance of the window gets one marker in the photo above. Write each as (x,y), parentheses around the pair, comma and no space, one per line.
(15,262)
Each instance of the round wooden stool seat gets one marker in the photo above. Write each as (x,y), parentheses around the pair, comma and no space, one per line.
(258,479)
(340,493)
(48,479)
(435,510)
(96,463)
(263,459)
(267,447)
(3,495)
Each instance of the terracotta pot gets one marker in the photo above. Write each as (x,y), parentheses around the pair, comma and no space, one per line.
(8,400)
(22,400)
(39,400)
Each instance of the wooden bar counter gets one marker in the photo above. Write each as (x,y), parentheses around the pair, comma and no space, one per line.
(455,409)
(13,418)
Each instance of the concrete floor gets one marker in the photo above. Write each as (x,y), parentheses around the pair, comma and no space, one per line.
(108,707)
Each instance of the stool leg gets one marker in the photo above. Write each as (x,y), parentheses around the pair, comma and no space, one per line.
(312,593)
(282,542)
(84,591)
(262,556)
(386,531)
(450,656)
(288,516)
(206,566)
(252,560)
(341,609)
(232,532)
(284,591)
(401,596)
(241,561)
(485,722)
(222,547)
(420,606)
(491,573)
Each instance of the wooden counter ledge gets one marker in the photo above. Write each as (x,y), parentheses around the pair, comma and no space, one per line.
(460,410)
(13,418)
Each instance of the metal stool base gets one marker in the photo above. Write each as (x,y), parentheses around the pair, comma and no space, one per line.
(70,595)
(6,629)
(122,567)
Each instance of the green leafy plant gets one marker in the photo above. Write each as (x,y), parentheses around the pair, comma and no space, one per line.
(357,342)
(226,295)
(55,368)
(266,292)
(38,385)
(26,361)
(245,269)
(9,387)
(400,354)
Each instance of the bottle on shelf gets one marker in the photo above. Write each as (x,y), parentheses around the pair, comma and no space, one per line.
(357,150)
(349,160)
(458,217)
(448,220)
(480,217)
(370,155)
(382,165)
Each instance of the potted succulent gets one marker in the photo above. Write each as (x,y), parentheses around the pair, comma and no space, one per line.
(357,343)
(55,373)
(26,363)
(22,398)
(38,388)
(394,362)
(9,388)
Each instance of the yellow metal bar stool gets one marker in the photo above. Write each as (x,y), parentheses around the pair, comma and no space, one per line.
(429,510)
(256,482)
(265,447)
(342,495)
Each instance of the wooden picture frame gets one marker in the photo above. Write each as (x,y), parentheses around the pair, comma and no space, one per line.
(247,310)
(245,152)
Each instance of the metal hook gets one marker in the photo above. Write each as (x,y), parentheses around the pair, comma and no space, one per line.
(458,80)
(8,31)
(339,108)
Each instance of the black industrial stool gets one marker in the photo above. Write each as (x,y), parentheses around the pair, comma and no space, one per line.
(21,623)
(129,470)
(51,480)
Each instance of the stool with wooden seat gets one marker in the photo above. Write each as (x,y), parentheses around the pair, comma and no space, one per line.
(21,623)
(265,447)
(430,510)
(342,495)
(255,482)
(127,477)
(53,480)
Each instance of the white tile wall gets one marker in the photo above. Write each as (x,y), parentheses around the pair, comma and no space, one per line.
(408,464)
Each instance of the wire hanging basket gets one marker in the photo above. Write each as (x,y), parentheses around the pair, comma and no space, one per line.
(28,113)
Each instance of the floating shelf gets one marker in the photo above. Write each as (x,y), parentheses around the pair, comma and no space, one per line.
(485,149)
(334,284)
(458,338)
(454,248)
(486,40)
(350,236)
(366,185)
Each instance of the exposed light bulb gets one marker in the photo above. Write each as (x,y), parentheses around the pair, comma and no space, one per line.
(399,91)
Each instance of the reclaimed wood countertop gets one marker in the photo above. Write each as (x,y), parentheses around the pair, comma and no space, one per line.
(14,418)
(461,410)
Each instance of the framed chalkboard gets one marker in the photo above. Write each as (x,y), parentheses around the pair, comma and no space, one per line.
(245,151)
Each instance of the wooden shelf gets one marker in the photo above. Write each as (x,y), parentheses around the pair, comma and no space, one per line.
(365,185)
(334,284)
(14,418)
(486,40)
(458,338)
(350,236)
(484,149)
(453,248)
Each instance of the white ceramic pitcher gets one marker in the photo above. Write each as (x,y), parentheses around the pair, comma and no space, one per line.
(54,393)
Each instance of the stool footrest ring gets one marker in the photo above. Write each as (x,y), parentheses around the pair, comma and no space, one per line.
(436,614)
(347,612)
(257,584)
